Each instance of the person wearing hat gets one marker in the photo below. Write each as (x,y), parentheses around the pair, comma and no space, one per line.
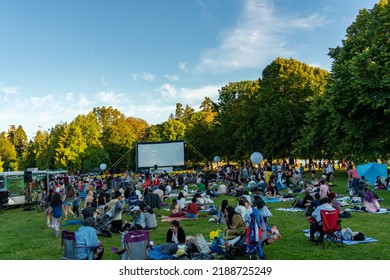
(139,221)
(87,241)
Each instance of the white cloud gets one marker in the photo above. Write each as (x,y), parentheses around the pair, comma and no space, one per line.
(258,37)
(6,90)
(103,81)
(189,96)
(310,22)
(171,77)
(182,66)
(168,92)
(146,76)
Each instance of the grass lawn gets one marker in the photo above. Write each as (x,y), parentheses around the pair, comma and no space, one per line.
(25,236)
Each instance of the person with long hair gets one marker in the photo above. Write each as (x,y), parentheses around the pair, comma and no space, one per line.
(220,217)
(174,209)
(181,200)
(68,201)
(235,224)
(175,234)
(370,203)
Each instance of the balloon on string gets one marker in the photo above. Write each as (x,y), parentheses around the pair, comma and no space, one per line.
(103,166)
(217,159)
(256,158)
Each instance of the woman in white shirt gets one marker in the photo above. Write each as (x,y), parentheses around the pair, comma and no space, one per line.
(181,200)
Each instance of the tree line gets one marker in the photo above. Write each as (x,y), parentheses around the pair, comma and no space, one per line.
(292,110)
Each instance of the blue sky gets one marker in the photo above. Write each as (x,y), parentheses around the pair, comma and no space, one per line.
(62,58)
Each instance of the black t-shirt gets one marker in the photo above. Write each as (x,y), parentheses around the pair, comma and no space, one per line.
(88,212)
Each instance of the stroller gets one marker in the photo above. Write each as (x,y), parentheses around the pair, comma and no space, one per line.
(103,220)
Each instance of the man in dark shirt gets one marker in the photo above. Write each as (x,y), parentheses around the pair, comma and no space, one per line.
(88,211)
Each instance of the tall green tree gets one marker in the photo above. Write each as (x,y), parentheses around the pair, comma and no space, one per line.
(200,132)
(359,90)
(8,153)
(288,89)
(233,116)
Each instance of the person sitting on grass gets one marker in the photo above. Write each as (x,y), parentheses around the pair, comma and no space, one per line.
(302,202)
(235,224)
(379,185)
(370,203)
(174,209)
(191,210)
(220,217)
(175,234)
(139,221)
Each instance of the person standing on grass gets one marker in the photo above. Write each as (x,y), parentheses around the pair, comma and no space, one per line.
(76,205)
(353,178)
(68,201)
(49,210)
(56,206)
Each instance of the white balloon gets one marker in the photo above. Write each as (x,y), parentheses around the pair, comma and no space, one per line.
(217,159)
(103,166)
(256,158)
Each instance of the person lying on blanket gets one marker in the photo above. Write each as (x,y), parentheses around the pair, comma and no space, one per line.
(348,234)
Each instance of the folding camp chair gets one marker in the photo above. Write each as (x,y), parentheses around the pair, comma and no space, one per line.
(137,244)
(68,242)
(331,229)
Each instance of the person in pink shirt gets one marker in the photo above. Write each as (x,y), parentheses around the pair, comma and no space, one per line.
(353,178)
(370,203)
(324,189)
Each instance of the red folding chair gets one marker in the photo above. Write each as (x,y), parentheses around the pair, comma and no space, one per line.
(331,229)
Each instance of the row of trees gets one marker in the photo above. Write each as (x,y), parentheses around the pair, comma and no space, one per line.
(292,110)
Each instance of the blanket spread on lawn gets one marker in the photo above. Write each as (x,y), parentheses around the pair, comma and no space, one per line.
(170,219)
(348,242)
(291,209)
(72,222)
(381,211)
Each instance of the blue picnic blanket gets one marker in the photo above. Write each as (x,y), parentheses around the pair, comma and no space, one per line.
(156,254)
(270,199)
(349,242)
(72,222)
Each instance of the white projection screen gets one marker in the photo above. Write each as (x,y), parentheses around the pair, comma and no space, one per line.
(162,154)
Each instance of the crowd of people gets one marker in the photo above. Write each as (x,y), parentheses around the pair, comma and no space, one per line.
(107,198)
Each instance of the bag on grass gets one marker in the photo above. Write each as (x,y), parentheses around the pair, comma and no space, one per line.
(273,234)
(201,244)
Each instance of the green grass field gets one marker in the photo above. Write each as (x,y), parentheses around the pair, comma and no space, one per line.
(25,236)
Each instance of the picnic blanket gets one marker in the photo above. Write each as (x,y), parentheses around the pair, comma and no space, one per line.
(381,211)
(348,242)
(344,201)
(170,219)
(270,199)
(291,209)
(157,254)
(72,222)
